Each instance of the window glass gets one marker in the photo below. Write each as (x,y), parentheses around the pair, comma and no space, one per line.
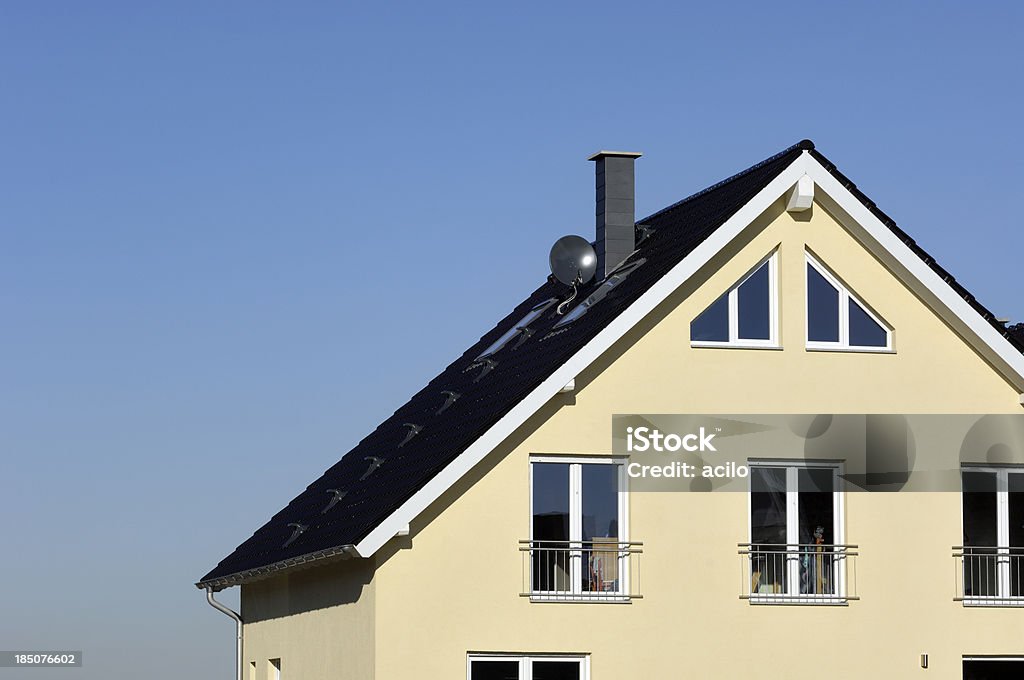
(551,568)
(816,529)
(864,331)
(1016,521)
(768,505)
(754,306)
(768,529)
(817,514)
(981,533)
(822,308)
(1015,485)
(539,668)
(494,670)
(600,501)
(556,670)
(979,506)
(551,501)
(600,527)
(713,323)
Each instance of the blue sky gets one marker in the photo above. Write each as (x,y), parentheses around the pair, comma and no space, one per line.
(236,236)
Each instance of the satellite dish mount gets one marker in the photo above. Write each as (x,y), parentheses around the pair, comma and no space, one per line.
(574,263)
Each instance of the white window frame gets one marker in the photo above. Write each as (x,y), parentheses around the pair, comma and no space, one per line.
(772,260)
(793,594)
(1003,546)
(845,295)
(577,593)
(525,662)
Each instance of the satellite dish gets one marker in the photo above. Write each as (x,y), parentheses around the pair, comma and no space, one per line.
(573,260)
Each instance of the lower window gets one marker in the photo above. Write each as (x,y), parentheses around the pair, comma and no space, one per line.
(501,667)
(993,549)
(993,669)
(795,547)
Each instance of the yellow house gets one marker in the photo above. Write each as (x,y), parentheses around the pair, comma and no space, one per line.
(491,529)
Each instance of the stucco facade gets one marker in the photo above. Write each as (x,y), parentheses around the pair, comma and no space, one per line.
(452,587)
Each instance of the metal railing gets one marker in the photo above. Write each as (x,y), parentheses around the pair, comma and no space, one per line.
(798,573)
(987,575)
(599,569)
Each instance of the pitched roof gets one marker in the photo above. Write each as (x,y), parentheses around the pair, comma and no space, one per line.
(422,437)
(1016,336)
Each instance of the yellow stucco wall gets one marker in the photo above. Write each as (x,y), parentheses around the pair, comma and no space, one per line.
(319,622)
(453,586)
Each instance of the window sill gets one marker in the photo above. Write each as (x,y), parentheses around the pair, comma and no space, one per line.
(799,600)
(850,350)
(582,598)
(733,345)
(993,601)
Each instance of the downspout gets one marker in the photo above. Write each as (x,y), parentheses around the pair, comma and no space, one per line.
(238,630)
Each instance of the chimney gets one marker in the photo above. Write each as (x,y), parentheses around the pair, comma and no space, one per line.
(616,216)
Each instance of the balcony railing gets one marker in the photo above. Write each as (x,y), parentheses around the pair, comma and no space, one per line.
(989,576)
(798,573)
(599,569)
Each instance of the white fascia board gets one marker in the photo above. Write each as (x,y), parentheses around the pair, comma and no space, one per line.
(958,312)
(554,383)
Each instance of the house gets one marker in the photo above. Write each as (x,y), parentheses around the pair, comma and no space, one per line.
(487,528)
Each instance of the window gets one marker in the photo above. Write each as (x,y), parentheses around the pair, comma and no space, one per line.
(531,316)
(993,523)
(836,319)
(993,668)
(252,670)
(795,548)
(745,316)
(275,669)
(578,546)
(495,667)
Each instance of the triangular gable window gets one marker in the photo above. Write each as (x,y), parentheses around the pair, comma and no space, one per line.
(746,315)
(836,319)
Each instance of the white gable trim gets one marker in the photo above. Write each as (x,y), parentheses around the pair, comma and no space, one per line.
(995,347)
(919,276)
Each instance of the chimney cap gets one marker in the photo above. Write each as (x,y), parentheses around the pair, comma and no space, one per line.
(615,154)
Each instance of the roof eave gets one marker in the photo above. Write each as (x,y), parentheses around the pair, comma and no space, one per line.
(218,583)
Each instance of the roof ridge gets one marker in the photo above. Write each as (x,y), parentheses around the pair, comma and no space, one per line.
(803,145)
